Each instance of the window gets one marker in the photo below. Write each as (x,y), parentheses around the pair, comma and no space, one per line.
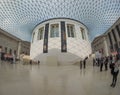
(116,46)
(110,39)
(83,33)
(33,37)
(0,48)
(54,30)
(118,30)
(5,49)
(15,52)
(10,52)
(111,48)
(114,36)
(71,30)
(40,33)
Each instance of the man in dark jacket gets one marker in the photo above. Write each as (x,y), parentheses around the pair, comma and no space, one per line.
(84,62)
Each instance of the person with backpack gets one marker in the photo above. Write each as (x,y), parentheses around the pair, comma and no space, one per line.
(114,71)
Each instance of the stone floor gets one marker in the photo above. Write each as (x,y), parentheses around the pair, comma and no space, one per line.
(18,79)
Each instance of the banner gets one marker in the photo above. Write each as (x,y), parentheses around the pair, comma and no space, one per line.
(63,37)
(45,44)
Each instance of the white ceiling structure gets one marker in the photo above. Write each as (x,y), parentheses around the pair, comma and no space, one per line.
(19,17)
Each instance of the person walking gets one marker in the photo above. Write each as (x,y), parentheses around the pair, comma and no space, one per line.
(111,58)
(38,62)
(106,63)
(30,62)
(98,63)
(101,63)
(93,62)
(84,62)
(114,72)
(81,64)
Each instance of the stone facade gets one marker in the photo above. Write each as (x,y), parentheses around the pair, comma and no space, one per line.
(25,47)
(109,42)
(99,44)
(10,44)
(113,38)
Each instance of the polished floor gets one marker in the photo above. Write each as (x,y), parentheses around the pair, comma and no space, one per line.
(18,79)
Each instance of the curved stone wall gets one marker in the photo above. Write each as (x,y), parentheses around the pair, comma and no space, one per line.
(63,40)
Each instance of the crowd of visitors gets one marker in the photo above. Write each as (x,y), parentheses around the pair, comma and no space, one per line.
(112,62)
(8,57)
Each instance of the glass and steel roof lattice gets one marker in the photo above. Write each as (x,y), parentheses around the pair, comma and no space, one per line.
(19,17)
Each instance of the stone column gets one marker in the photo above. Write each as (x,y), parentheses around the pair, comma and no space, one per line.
(80,33)
(19,49)
(106,47)
(86,35)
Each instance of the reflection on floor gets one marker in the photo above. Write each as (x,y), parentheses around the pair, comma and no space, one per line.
(18,79)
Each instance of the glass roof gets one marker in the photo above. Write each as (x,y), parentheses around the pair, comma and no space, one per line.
(19,17)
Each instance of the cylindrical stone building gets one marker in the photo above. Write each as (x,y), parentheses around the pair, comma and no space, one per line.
(60,41)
